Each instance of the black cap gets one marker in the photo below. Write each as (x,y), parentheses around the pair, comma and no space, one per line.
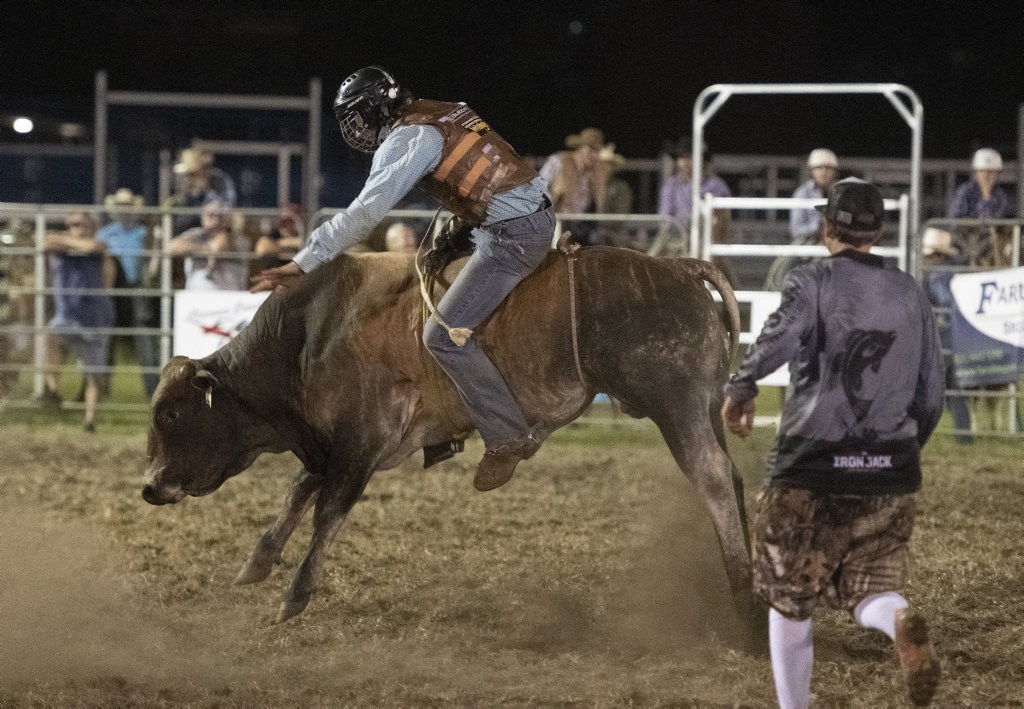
(854,204)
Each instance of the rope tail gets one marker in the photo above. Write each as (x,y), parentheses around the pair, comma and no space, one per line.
(460,335)
(571,251)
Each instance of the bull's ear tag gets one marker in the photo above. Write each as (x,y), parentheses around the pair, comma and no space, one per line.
(204,380)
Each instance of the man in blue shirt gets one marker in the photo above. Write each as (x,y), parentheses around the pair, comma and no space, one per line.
(76,261)
(805,222)
(450,153)
(675,199)
(126,238)
(981,197)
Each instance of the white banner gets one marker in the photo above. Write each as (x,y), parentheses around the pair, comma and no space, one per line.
(205,321)
(992,302)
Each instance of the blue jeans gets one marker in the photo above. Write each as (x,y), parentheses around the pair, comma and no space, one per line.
(505,254)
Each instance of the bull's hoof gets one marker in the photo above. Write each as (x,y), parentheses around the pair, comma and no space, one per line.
(290,609)
(254,571)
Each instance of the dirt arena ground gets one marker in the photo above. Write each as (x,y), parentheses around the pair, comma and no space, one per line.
(592,580)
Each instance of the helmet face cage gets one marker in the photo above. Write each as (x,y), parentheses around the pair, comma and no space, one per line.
(360,134)
(363,107)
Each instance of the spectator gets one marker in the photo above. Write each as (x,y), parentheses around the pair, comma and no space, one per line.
(805,222)
(18,308)
(574,181)
(76,261)
(981,197)
(940,256)
(199,183)
(276,246)
(984,245)
(126,238)
(214,252)
(400,238)
(676,196)
(835,518)
(614,196)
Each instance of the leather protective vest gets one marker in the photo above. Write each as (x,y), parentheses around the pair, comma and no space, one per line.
(476,163)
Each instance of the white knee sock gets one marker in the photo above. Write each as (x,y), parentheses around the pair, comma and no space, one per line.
(792,650)
(878,611)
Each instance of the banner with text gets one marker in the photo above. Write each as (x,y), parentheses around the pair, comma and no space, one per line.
(205,321)
(988,326)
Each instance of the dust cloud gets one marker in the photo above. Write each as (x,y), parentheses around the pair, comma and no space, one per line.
(672,597)
(676,594)
(64,614)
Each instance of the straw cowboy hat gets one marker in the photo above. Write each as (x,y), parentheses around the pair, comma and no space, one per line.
(192,160)
(123,197)
(591,137)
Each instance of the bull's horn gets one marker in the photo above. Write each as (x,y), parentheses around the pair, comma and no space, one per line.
(204,380)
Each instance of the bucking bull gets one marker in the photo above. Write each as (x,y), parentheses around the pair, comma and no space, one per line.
(334,371)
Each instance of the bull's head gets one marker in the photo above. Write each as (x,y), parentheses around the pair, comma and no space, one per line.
(194,438)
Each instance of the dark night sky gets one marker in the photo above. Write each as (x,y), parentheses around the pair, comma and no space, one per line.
(631,68)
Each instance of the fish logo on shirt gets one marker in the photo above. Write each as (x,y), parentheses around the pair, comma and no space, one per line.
(865,350)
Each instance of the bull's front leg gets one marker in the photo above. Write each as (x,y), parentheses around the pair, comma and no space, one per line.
(267,553)
(337,495)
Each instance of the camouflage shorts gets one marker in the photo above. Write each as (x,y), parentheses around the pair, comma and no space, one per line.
(811,546)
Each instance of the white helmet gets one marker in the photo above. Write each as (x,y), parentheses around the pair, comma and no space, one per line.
(986,159)
(822,157)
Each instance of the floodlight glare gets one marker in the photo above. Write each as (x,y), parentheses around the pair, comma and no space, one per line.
(22,125)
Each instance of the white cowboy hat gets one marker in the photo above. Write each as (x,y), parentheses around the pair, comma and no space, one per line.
(937,241)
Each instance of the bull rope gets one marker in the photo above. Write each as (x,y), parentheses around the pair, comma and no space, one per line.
(430,366)
(460,335)
(571,251)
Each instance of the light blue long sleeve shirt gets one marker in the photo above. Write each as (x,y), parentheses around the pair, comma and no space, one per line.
(803,222)
(407,154)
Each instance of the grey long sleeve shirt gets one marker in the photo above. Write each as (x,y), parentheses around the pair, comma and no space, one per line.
(866,376)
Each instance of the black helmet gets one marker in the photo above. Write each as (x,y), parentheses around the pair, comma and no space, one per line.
(366,106)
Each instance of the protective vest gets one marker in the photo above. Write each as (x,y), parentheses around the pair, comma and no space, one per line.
(476,163)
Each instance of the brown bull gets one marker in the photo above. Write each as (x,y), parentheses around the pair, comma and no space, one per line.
(334,371)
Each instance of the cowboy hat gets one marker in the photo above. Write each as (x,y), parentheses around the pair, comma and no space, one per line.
(937,241)
(192,160)
(592,137)
(123,197)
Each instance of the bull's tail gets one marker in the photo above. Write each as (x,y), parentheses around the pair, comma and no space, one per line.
(710,273)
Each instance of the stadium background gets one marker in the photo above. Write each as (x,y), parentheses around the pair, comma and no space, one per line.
(537,70)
